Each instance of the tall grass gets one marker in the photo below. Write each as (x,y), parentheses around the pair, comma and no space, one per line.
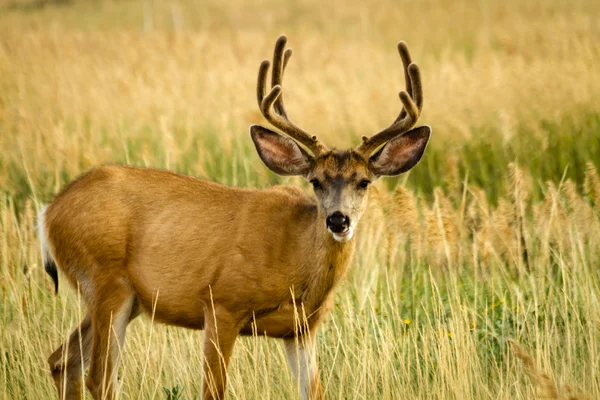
(476,275)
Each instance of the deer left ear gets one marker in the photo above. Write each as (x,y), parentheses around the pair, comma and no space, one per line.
(401,153)
(281,154)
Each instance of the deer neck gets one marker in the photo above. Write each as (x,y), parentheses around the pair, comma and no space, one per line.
(332,259)
(338,255)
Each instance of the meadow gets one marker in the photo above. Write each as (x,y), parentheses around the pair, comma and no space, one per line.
(476,275)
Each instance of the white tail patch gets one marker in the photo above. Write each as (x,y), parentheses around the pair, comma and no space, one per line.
(43,236)
(47,257)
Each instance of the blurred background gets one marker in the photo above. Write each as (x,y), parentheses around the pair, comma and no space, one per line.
(172,84)
(494,235)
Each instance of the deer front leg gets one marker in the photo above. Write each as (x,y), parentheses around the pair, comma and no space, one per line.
(221,330)
(301,354)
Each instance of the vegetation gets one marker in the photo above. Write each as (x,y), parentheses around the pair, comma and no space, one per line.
(476,276)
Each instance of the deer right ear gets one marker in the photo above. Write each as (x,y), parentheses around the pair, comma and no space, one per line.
(280,154)
(401,153)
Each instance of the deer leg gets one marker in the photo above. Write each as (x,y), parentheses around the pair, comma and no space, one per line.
(301,352)
(68,366)
(110,316)
(221,330)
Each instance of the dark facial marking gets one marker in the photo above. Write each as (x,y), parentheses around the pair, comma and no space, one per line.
(337,184)
(340,169)
(342,158)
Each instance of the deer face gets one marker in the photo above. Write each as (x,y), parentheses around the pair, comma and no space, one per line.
(340,178)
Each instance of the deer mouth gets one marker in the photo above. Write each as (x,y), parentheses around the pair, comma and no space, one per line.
(344,235)
(340,231)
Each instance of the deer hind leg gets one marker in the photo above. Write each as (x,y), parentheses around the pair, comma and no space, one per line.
(220,332)
(110,316)
(68,366)
(301,352)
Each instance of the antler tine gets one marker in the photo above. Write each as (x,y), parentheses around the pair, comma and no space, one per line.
(262,81)
(406,61)
(274,98)
(280,60)
(412,79)
(412,101)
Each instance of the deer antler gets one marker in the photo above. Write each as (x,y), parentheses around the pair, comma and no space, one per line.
(274,99)
(412,100)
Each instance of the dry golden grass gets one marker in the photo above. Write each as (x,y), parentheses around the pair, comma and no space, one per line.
(495,235)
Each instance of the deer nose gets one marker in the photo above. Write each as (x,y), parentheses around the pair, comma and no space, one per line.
(338,222)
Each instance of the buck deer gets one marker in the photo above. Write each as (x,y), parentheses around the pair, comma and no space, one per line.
(230,261)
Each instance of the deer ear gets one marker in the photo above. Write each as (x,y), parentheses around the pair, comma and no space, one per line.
(401,153)
(280,154)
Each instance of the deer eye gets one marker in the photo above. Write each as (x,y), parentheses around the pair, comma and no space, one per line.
(316,184)
(363,184)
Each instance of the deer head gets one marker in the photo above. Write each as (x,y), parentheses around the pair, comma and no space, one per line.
(340,178)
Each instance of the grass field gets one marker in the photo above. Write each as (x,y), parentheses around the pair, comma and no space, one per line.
(476,276)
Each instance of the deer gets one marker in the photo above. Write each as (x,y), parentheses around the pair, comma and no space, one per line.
(229,261)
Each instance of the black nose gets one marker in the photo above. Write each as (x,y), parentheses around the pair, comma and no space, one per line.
(338,222)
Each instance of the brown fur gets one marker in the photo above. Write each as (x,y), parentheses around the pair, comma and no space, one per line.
(181,246)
